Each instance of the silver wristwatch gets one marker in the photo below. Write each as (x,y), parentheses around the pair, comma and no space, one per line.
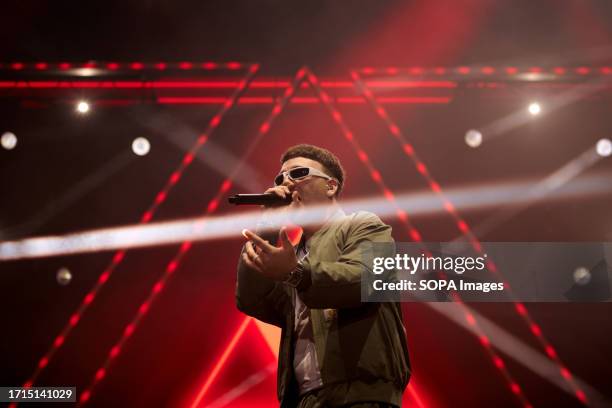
(296,275)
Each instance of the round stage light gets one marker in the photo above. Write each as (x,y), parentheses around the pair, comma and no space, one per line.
(141,146)
(473,138)
(63,276)
(8,140)
(82,107)
(604,147)
(534,108)
(582,275)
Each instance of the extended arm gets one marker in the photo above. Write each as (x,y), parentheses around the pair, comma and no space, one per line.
(261,297)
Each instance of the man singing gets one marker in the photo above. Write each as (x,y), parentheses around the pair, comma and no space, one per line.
(335,350)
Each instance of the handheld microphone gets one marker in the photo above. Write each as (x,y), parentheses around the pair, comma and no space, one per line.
(268,199)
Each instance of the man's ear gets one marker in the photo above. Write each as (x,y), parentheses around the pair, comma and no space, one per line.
(332,187)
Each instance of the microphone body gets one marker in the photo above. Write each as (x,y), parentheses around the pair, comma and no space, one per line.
(269,199)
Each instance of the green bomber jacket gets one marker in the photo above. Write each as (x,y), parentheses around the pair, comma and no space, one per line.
(361,347)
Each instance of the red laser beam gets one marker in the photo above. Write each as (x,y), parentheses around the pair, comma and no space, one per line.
(415,397)
(204,100)
(413,232)
(146,217)
(214,84)
(464,228)
(414,71)
(221,362)
(160,284)
(509,72)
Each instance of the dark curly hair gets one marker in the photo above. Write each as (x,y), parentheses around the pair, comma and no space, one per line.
(327,159)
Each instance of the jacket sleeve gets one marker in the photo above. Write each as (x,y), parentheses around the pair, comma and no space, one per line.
(261,297)
(337,284)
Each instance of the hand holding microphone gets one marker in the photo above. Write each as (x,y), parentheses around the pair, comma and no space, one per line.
(277,200)
(273,197)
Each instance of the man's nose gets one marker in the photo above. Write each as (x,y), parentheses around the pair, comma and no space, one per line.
(287,182)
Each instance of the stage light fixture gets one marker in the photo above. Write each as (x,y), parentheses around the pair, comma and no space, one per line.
(604,147)
(82,107)
(141,146)
(534,108)
(473,138)
(8,140)
(87,71)
(582,275)
(63,276)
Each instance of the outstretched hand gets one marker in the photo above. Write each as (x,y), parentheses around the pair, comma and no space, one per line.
(272,262)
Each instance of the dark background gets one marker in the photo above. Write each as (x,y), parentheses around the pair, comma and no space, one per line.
(71,173)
